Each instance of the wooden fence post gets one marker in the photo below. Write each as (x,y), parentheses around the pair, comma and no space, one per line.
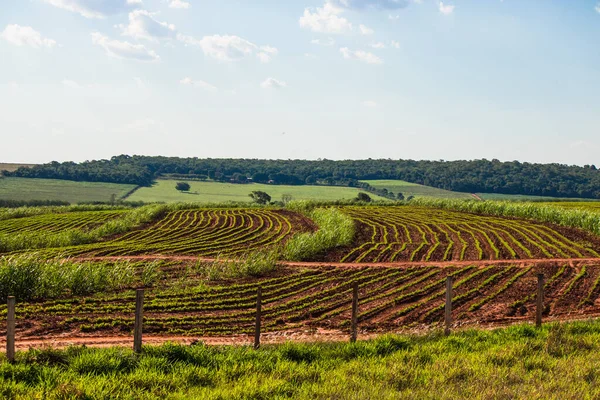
(139,320)
(354,329)
(539,301)
(10,329)
(448,314)
(258,318)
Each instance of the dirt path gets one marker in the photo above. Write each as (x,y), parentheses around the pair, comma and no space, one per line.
(533,261)
(299,336)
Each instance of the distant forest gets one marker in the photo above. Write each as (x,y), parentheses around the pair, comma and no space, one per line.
(477,176)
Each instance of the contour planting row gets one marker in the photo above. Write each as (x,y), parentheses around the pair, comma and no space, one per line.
(54,223)
(390,298)
(204,232)
(426,234)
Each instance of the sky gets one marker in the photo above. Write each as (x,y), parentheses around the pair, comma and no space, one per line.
(300,79)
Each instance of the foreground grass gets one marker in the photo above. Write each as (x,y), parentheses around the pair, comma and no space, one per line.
(206,192)
(556,362)
(54,189)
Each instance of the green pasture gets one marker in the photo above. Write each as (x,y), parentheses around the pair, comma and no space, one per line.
(524,197)
(416,190)
(55,189)
(216,192)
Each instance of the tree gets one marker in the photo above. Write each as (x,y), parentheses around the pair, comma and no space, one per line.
(362,196)
(286,198)
(409,198)
(260,197)
(400,196)
(182,186)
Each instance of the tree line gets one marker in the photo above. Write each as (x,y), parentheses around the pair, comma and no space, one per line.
(475,176)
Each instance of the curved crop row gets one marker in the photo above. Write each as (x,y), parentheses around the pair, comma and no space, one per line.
(321,297)
(426,234)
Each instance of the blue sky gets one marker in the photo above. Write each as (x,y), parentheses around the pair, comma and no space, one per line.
(337,79)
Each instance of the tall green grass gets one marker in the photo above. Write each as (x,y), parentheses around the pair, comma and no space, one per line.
(520,362)
(31,277)
(573,218)
(335,229)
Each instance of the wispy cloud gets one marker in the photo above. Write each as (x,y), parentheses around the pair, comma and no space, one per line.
(179,4)
(143,25)
(199,84)
(272,83)
(361,55)
(323,42)
(446,9)
(230,48)
(25,36)
(119,49)
(364,30)
(96,8)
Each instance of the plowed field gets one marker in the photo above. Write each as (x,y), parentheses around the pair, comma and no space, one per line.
(390,234)
(390,299)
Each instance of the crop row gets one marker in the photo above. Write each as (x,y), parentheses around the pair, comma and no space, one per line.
(390,298)
(205,232)
(53,223)
(426,234)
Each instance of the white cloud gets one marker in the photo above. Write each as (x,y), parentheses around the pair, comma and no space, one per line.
(266,53)
(393,17)
(361,55)
(377,45)
(597,8)
(272,83)
(229,48)
(310,55)
(25,36)
(96,8)
(13,85)
(365,30)
(120,49)
(179,4)
(446,9)
(369,104)
(143,25)
(325,19)
(395,44)
(323,42)
(199,84)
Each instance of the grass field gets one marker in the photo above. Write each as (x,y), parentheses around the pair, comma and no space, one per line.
(522,197)
(520,362)
(216,192)
(416,190)
(54,189)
